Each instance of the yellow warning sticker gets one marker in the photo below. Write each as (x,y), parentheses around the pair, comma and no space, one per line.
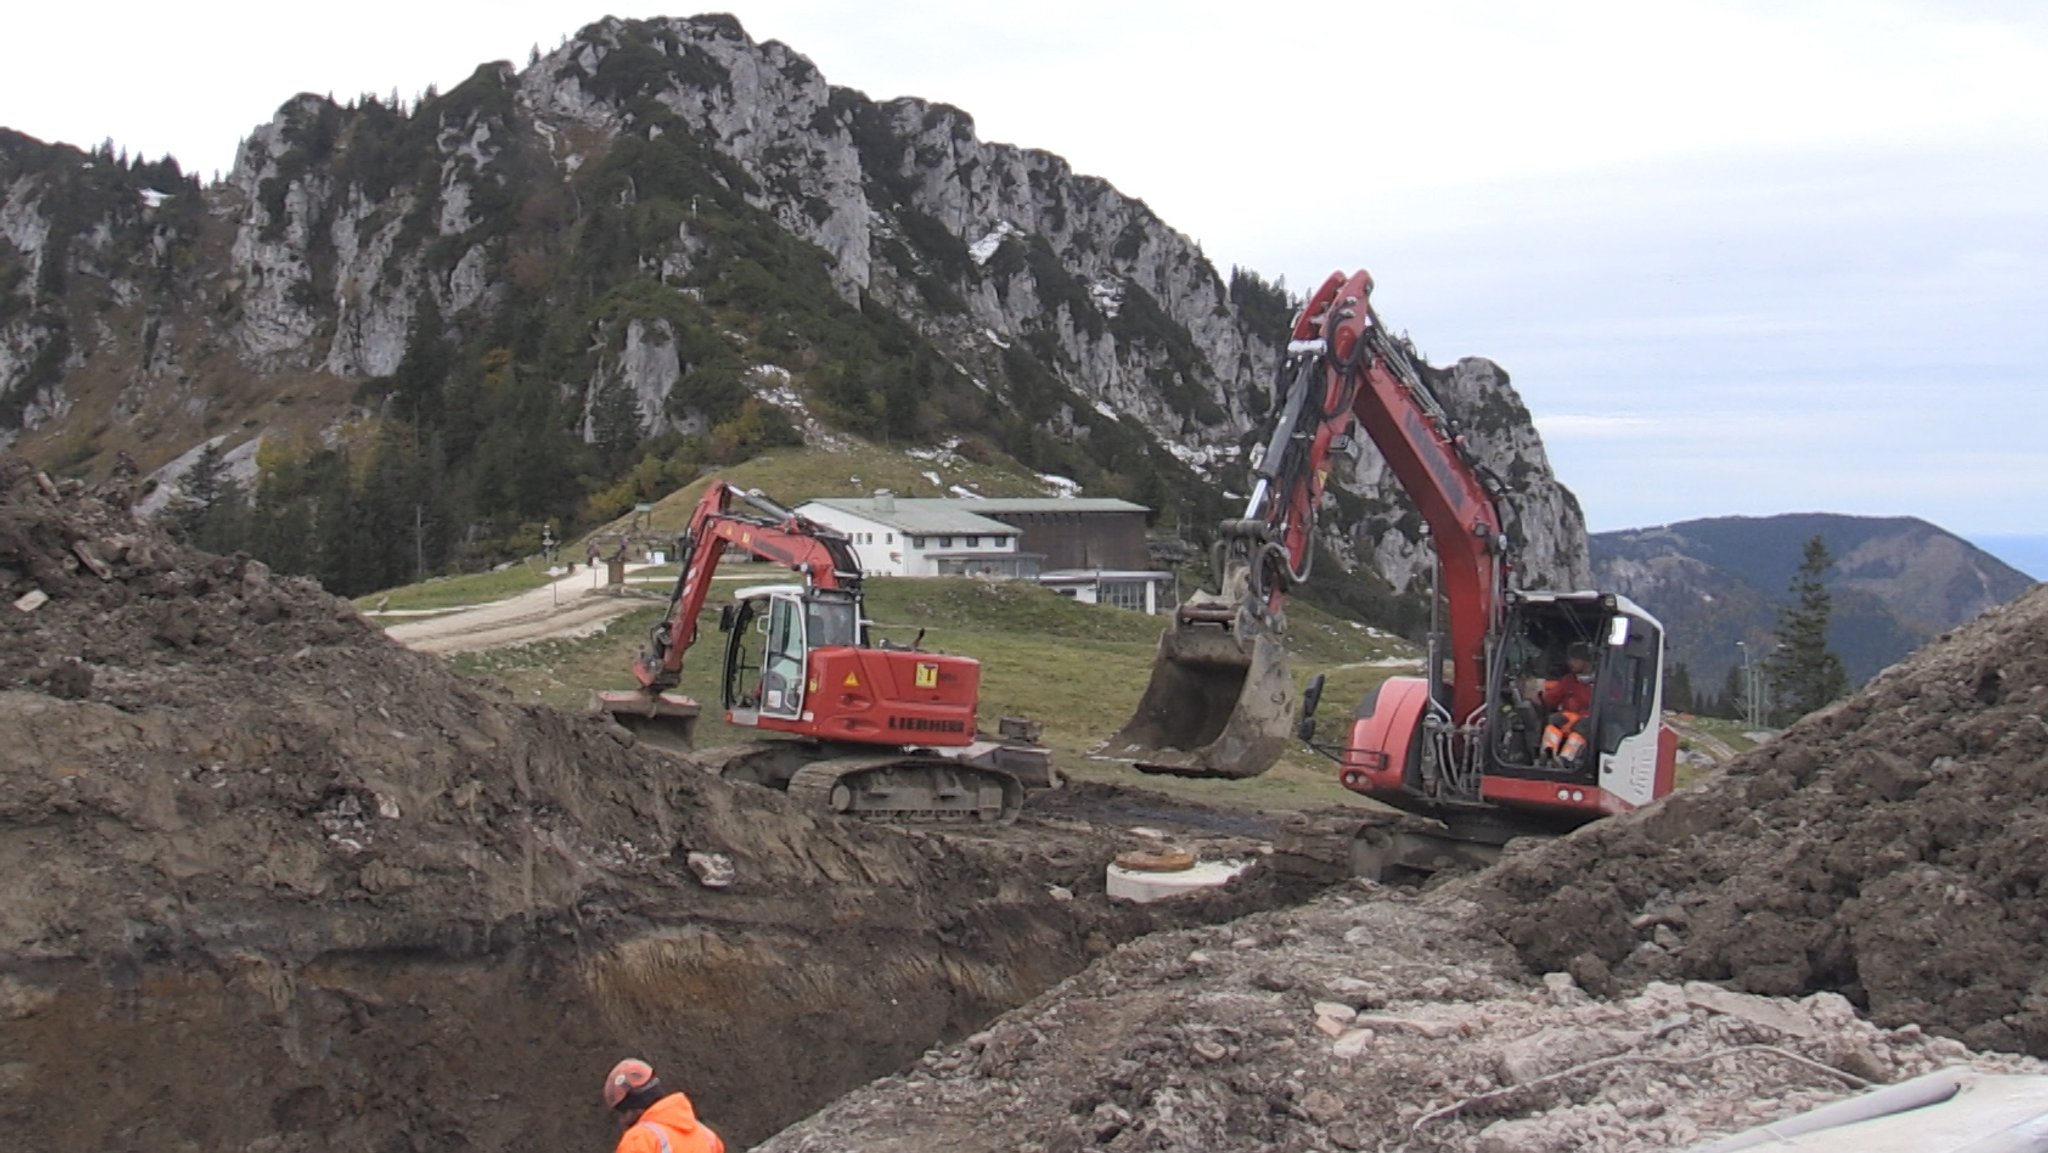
(927,675)
(851,681)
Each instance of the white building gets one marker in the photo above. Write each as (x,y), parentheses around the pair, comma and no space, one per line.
(923,537)
(1081,548)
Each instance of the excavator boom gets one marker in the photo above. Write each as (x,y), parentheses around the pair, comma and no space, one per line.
(1459,744)
(1220,700)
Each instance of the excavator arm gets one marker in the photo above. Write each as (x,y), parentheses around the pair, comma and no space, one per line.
(1369,375)
(770,533)
(1219,702)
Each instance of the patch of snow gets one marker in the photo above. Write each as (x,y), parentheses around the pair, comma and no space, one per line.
(937,480)
(1199,456)
(1103,407)
(996,339)
(986,247)
(964,493)
(153,198)
(1108,296)
(1062,487)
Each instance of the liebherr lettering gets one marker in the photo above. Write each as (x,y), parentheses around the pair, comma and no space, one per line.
(927,725)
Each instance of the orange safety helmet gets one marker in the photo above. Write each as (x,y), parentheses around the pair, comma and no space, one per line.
(630,1080)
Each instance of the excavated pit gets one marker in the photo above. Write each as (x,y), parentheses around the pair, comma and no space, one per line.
(276,883)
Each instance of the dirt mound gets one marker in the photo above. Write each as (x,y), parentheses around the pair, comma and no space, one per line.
(275,882)
(1893,848)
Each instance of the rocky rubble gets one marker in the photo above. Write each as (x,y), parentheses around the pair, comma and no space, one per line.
(1371,1019)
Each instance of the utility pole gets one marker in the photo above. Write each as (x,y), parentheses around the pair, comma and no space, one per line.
(1748,686)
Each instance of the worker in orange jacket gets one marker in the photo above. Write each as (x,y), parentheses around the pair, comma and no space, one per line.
(655,1120)
(1568,698)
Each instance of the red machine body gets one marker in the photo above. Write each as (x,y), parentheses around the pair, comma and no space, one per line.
(1460,744)
(879,730)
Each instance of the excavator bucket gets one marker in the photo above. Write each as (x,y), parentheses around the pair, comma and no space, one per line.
(667,722)
(1220,702)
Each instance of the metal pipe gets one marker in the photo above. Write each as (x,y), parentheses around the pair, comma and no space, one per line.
(1918,1093)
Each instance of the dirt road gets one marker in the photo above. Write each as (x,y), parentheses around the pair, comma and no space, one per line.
(571,606)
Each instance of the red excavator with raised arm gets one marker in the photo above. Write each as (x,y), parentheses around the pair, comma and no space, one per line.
(1464,743)
(868,730)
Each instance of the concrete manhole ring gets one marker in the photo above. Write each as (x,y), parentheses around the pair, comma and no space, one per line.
(1156,860)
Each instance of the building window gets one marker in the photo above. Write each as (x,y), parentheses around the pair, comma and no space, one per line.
(945,542)
(917,542)
(972,542)
(888,538)
(1123,594)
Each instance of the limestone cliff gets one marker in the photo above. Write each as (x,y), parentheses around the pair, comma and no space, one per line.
(662,222)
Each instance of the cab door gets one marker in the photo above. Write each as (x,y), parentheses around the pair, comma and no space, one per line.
(783,664)
(1626,709)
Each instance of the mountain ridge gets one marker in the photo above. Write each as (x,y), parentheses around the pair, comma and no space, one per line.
(1896,583)
(660,239)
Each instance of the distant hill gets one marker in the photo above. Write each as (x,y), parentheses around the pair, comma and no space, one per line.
(1897,582)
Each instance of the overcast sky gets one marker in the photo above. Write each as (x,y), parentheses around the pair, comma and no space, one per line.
(1739,258)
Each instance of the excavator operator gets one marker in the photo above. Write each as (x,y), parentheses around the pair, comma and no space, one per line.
(1568,698)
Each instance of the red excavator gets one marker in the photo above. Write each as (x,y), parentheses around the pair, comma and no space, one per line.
(1463,744)
(879,731)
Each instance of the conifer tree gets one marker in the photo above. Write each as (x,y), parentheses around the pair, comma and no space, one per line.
(1804,673)
(1678,694)
(1733,700)
(208,510)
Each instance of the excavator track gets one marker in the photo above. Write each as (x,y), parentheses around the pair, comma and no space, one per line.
(908,788)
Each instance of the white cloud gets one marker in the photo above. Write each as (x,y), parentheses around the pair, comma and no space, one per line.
(1592,426)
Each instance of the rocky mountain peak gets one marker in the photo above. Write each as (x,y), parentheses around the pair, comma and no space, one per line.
(659,228)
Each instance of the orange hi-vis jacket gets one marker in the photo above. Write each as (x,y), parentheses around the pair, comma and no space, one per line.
(1568,694)
(670,1125)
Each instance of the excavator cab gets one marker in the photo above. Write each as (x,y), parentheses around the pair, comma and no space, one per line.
(1533,653)
(1621,730)
(771,631)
